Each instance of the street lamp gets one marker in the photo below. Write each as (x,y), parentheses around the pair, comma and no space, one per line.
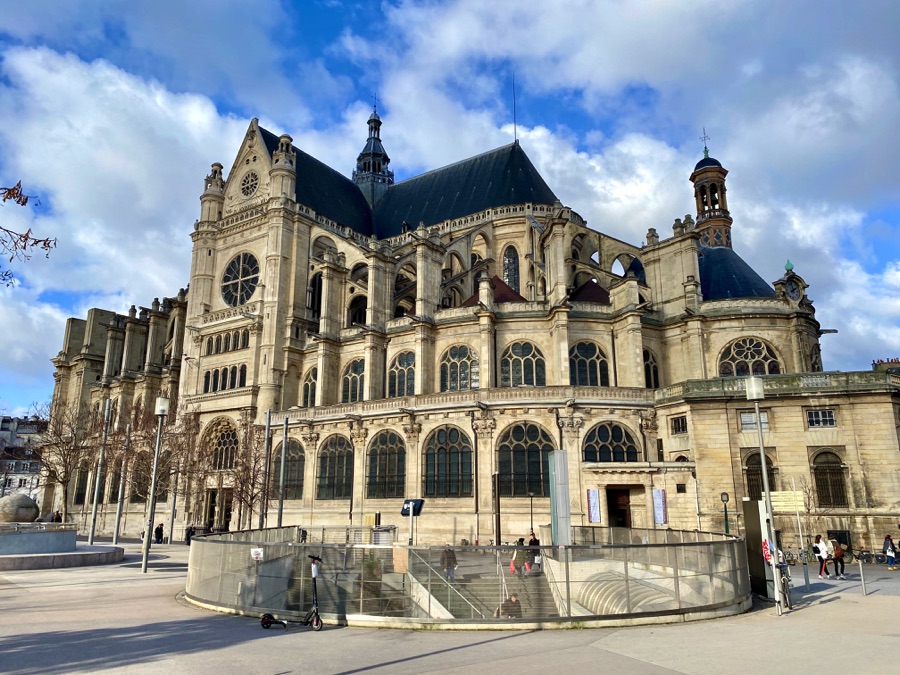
(162,409)
(725,504)
(756,393)
(531,507)
(99,473)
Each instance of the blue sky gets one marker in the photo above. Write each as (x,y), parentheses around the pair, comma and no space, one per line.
(113,112)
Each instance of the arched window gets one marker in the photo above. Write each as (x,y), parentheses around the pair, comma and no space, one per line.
(112,496)
(218,348)
(511,268)
(294,466)
(522,363)
(651,370)
(226,343)
(215,380)
(140,478)
(81,483)
(314,297)
(242,382)
(610,442)
(224,379)
(353,381)
(209,346)
(588,366)
(448,464)
(233,377)
(356,314)
(523,456)
(309,388)
(225,450)
(387,467)
(754,476)
(831,489)
(459,369)
(245,338)
(335,469)
(402,375)
(748,356)
(236,340)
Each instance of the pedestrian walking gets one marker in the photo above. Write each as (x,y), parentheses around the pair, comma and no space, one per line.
(534,553)
(519,557)
(890,550)
(449,564)
(838,555)
(820,548)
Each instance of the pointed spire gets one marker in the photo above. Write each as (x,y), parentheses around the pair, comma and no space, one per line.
(372,174)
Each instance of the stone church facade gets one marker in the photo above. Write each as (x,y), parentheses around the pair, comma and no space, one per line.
(446,336)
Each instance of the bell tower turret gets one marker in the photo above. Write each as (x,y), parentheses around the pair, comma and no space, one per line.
(713,219)
(372,174)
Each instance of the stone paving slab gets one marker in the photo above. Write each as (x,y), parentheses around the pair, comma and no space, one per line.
(115,619)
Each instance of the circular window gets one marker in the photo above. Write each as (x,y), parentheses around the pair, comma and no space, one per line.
(240,279)
(249,183)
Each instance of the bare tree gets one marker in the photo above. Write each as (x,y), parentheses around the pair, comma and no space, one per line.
(66,445)
(19,245)
(248,474)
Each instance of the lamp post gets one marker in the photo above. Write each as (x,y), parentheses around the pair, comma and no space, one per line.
(756,393)
(162,409)
(101,461)
(725,504)
(531,510)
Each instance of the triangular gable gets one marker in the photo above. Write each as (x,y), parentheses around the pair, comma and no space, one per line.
(502,293)
(590,291)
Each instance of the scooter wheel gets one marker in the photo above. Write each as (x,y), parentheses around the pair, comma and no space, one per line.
(316,622)
(266,621)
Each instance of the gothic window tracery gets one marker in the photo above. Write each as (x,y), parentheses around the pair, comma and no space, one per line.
(459,369)
(523,456)
(610,442)
(588,366)
(224,450)
(353,381)
(294,467)
(511,268)
(402,375)
(387,467)
(309,388)
(240,279)
(447,471)
(748,356)
(651,370)
(335,480)
(522,364)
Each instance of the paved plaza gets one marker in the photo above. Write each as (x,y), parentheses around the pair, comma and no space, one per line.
(115,619)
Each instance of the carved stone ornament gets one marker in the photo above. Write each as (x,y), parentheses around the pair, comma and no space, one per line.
(483,425)
(570,424)
(649,421)
(412,431)
(358,434)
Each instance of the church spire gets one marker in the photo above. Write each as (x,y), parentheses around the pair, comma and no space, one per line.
(713,219)
(372,174)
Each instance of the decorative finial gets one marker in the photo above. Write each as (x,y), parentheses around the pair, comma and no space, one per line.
(788,266)
(705,138)
(375,104)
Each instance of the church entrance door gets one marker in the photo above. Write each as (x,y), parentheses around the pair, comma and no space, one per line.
(619,504)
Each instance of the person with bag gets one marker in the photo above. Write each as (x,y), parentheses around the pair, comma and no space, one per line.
(449,564)
(820,548)
(517,563)
(534,552)
(890,550)
(838,556)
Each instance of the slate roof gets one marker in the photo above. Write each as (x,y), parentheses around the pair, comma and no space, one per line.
(497,178)
(590,291)
(501,177)
(707,161)
(724,274)
(502,293)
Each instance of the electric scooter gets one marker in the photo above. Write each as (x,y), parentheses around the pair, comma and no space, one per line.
(312,617)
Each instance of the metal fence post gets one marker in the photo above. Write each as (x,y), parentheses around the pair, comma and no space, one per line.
(568,553)
(675,576)
(627,580)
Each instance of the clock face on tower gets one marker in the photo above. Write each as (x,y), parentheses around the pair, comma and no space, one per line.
(240,279)
(792,289)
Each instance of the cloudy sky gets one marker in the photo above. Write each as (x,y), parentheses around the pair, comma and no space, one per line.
(113,111)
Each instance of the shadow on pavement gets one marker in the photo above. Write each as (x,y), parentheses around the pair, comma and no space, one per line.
(94,650)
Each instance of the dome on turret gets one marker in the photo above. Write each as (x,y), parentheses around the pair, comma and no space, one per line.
(707,161)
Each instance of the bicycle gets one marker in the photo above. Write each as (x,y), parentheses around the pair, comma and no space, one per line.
(784,574)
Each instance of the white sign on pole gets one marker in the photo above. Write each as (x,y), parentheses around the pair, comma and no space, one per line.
(787,500)
(256,554)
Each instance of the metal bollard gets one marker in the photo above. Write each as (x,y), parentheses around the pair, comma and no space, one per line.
(803,557)
(862,579)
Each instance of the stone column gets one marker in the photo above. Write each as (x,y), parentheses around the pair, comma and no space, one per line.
(484,466)
(411,433)
(571,423)
(310,441)
(358,435)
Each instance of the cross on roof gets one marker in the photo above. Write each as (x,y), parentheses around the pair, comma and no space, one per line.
(705,138)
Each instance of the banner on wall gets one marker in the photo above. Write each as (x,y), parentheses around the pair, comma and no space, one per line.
(660,508)
(593,498)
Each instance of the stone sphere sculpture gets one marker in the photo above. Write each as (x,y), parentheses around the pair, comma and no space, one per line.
(18,508)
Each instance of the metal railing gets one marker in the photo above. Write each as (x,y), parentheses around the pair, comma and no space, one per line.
(21,528)
(610,573)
